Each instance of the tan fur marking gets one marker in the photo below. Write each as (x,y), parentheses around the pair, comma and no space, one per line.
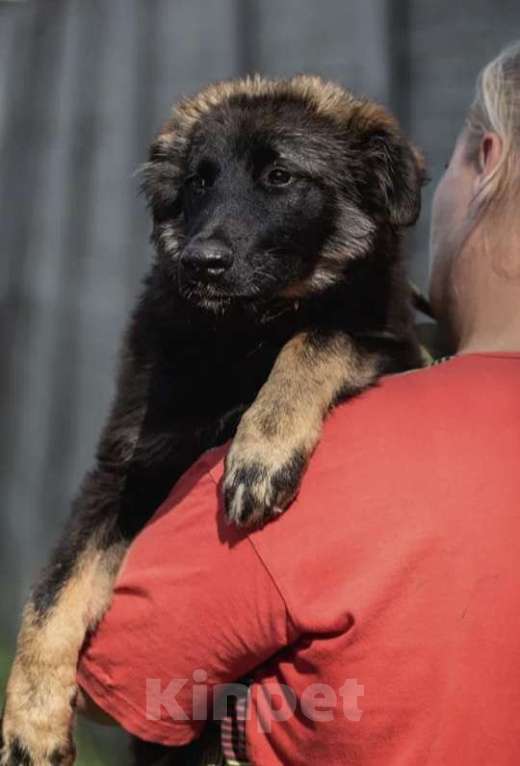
(327,98)
(42,685)
(301,388)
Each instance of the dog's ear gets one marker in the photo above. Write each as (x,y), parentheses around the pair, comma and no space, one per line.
(397,172)
(161,179)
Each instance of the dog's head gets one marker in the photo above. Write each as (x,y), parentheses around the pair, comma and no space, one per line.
(262,188)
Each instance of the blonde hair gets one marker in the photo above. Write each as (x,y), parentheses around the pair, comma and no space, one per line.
(496,108)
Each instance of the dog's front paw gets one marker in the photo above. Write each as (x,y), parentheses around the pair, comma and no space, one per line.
(261,476)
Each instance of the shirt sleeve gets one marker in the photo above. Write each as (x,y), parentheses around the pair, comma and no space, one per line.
(193,607)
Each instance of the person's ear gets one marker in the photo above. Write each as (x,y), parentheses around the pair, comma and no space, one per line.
(489,155)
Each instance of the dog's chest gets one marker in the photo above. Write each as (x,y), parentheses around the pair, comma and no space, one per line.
(202,381)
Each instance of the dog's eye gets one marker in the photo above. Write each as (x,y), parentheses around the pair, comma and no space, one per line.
(279,177)
(197,184)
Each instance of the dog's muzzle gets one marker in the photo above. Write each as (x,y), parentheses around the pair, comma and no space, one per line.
(206,261)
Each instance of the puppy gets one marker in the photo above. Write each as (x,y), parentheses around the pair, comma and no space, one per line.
(277,290)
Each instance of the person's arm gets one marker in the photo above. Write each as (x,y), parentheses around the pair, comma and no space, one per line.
(193,608)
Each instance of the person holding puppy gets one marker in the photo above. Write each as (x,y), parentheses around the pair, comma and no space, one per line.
(378,619)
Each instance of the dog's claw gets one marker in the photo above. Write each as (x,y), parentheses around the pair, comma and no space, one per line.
(256,488)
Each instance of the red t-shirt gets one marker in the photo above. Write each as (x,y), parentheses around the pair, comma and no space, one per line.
(384,606)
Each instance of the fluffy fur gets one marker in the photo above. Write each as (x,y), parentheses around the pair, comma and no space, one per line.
(277,290)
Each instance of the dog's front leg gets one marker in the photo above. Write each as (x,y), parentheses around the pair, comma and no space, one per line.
(278,433)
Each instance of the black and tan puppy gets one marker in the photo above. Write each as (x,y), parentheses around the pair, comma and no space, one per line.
(277,291)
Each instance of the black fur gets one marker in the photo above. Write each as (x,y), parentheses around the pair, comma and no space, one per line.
(270,217)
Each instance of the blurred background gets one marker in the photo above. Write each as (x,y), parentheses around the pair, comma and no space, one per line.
(84,85)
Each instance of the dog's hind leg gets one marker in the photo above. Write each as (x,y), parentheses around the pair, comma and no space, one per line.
(73,593)
(38,716)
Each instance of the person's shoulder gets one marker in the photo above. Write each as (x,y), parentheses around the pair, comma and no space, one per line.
(451,390)
(394,414)
(456,373)
(390,393)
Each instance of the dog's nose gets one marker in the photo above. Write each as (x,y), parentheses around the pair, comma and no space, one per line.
(209,259)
